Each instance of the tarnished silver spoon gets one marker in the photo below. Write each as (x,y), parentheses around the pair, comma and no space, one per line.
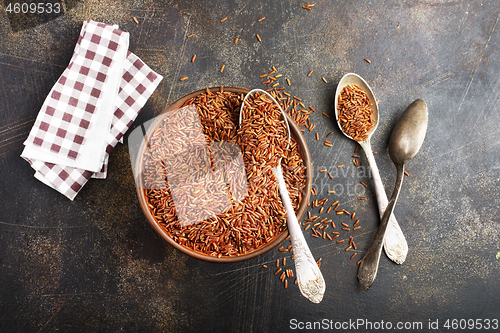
(395,244)
(309,277)
(406,139)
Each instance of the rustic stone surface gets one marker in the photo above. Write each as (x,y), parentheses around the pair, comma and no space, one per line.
(96,265)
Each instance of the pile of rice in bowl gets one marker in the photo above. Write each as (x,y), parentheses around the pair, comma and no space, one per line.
(208,181)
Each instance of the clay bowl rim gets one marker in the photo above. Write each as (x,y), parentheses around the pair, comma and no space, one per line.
(306,156)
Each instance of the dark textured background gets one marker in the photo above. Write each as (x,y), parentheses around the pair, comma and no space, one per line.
(95,265)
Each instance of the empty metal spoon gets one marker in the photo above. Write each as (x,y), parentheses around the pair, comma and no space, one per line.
(405,141)
(309,277)
(395,244)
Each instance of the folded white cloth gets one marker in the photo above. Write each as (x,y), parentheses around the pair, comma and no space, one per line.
(88,110)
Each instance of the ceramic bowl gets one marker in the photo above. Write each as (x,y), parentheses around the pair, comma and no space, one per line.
(277,239)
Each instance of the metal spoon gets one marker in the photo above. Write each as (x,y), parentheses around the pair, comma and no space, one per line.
(309,277)
(404,143)
(395,244)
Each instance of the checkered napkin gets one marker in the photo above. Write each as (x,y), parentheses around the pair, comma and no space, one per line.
(88,110)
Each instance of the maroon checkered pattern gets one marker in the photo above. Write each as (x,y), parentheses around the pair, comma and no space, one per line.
(137,85)
(68,111)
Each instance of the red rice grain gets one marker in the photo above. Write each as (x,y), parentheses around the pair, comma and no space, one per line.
(354,113)
(251,223)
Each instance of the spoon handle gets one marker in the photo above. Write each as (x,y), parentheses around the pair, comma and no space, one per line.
(368,268)
(395,244)
(309,277)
